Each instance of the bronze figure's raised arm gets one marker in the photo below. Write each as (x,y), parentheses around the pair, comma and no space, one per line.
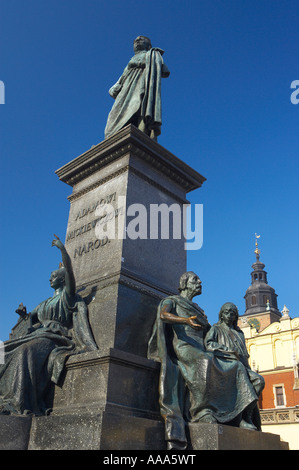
(36,359)
(69,278)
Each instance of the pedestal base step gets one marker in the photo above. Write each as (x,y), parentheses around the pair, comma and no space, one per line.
(111,431)
(204,436)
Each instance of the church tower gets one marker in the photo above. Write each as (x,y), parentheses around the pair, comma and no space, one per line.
(260,298)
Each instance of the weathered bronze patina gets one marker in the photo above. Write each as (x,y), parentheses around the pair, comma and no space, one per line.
(137,92)
(35,360)
(196,384)
(227,341)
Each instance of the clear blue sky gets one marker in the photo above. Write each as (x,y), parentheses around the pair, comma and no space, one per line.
(226,112)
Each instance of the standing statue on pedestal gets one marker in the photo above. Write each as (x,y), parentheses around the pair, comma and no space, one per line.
(35,360)
(137,93)
(227,341)
(195,385)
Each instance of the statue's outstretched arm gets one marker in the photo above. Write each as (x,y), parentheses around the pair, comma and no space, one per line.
(70,283)
(169,317)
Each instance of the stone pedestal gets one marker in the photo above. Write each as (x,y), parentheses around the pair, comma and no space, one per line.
(118,184)
(112,431)
(108,399)
(123,268)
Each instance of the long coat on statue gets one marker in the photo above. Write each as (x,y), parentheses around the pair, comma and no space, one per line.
(137,93)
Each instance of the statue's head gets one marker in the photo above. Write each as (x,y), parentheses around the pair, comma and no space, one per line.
(57,278)
(190,281)
(142,43)
(229,314)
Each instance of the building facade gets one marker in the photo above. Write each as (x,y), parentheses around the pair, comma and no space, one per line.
(272,339)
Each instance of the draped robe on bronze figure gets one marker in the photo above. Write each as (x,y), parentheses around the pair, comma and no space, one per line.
(138,93)
(35,360)
(213,385)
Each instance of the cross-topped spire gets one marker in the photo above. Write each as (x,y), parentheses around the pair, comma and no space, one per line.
(257,251)
(260,297)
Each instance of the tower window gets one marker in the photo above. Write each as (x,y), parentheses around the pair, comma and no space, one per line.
(279,395)
(253,300)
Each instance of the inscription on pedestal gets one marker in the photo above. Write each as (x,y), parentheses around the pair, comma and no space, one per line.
(102,212)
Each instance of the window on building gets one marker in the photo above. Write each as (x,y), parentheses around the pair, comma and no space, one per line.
(279,395)
(253,300)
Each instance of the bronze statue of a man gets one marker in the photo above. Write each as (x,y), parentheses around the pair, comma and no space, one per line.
(137,93)
(196,384)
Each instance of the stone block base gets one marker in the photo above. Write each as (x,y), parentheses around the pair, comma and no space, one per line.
(109,430)
(14,432)
(81,431)
(205,436)
(98,431)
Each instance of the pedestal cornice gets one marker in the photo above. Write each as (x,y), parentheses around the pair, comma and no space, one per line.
(130,140)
